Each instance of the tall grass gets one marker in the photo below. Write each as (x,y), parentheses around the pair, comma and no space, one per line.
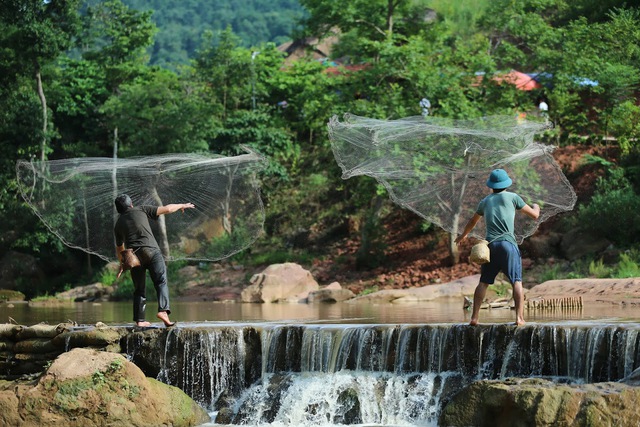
(627,266)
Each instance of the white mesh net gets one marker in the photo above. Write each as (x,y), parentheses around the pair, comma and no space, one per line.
(75,200)
(438,168)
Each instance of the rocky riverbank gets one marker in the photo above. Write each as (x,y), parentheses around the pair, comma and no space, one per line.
(86,388)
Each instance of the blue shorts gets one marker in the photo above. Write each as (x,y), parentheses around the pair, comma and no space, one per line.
(505,257)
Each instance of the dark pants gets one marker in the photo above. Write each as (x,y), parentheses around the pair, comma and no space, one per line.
(505,257)
(152,260)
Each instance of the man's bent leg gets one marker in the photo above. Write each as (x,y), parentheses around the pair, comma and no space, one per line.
(478,299)
(158,272)
(139,296)
(518,298)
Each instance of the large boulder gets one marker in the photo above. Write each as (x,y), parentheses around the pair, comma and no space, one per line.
(95,388)
(539,402)
(456,289)
(94,292)
(287,282)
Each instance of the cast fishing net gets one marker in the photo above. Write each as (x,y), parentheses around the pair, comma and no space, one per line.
(75,200)
(438,168)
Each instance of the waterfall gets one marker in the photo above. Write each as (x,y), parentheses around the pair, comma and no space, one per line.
(344,397)
(326,374)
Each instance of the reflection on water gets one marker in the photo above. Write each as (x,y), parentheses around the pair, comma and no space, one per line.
(449,311)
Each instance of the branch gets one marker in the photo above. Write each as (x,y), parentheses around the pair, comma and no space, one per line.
(375,27)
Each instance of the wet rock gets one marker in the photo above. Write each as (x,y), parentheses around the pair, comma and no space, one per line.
(94,337)
(276,386)
(349,404)
(91,388)
(42,330)
(94,292)
(455,289)
(538,402)
(332,293)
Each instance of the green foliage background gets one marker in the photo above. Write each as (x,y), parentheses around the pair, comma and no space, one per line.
(139,77)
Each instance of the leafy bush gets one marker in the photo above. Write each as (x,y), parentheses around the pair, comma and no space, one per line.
(107,276)
(625,125)
(598,269)
(550,274)
(627,267)
(614,210)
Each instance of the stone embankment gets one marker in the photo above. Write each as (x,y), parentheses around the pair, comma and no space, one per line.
(86,386)
(29,349)
(540,402)
(76,376)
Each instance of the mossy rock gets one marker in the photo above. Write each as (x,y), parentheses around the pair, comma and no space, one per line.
(96,388)
(539,402)
(9,295)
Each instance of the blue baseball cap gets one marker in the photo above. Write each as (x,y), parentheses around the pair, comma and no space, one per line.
(499,179)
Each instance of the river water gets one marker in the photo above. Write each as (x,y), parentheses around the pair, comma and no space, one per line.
(322,388)
(448,311)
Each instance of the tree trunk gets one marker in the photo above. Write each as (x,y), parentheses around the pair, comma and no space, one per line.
(226,203)
(45,119)
(43,102)
(454,252)
(86,233)
(390,8)
(114,180)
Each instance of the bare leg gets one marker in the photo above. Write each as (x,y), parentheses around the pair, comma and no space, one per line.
(518,298)
(478,299)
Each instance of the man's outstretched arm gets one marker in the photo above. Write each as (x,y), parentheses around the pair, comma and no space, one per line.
(531,212)
(470,225)
(163,210)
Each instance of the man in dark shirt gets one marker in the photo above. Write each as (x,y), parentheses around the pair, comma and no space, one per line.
(133,231)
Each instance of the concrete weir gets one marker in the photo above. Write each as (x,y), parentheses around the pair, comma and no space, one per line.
(217,364)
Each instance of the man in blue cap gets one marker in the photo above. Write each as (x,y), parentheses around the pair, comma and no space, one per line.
(499,210)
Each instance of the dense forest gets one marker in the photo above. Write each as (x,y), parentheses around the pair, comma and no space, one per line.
(181,25)
(76,81)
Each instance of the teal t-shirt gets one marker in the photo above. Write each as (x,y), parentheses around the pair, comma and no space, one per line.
(499,211)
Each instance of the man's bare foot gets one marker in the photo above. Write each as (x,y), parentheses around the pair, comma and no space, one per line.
(520,322)
(144,324)
(474,322)
(162,315)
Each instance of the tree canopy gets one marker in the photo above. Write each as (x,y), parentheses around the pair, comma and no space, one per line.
(123,78)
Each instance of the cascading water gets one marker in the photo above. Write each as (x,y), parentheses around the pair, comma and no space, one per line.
(272,374)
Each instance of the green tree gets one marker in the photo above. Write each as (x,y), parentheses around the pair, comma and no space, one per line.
(38,32)
(227,69)
(161,113)
(116,38)
(588,65)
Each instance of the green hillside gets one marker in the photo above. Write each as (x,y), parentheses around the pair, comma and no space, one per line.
(182,23)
